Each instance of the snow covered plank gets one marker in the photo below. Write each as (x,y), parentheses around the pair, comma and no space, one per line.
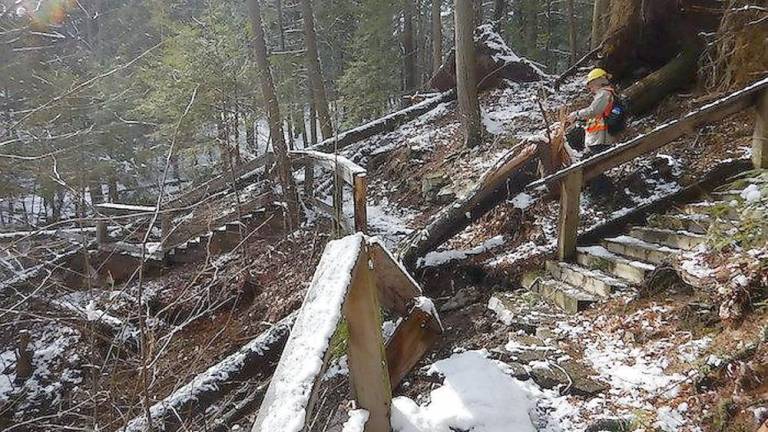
(662,135)
(346,168)
(117,209)
(257,358)
(287,404)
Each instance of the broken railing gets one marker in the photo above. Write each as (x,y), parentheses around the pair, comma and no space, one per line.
(355,279)
(573,178)
(345,172)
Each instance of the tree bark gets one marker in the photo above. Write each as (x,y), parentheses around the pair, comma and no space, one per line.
(314,71)
(466,79)
(437,36)
(280,25)
(312,119)
(509,176)
(273,115)
(409,53)
(598,21)
(572,31)
(499,15)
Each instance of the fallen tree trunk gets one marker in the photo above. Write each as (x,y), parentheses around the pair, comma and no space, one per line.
(256,359)
(508,176)
(678,73)
(387,123)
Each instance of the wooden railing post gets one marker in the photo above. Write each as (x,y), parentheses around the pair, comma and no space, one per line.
(309,179)
(570,191)
(367,356)
(360,192)
(338,201)
(102,236)
(760,137)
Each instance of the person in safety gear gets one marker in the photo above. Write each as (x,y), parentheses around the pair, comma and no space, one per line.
(597,138)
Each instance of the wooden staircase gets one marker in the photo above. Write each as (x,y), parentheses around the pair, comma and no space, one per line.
(623,262)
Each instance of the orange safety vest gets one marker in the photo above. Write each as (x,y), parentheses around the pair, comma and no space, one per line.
(597,124)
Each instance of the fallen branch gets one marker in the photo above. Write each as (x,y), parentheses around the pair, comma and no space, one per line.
(256,359)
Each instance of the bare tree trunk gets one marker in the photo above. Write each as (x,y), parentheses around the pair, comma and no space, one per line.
(598,21)
(314,71)
(572,31)
(273,115)
(409,53)
(500,14)
(312,119)
(477,12)
(437,36)
(466,80)
(280,25)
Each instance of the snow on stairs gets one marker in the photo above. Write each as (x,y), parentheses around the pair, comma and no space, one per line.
(618,263)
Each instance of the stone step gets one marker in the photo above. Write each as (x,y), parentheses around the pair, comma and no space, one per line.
(599,258)
(566,297)
(694,223)
(713,209)
(591,281)
(668,237)
(631,247)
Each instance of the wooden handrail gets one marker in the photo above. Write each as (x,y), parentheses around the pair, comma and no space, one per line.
(661,136)
(572,179)
(348,172)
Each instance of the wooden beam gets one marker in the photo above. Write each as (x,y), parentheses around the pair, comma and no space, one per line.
(570,192)
(102,236)
(662,135)
(397,289)
(346,167)
(760,137)
(367,365)
(360,193)
(413,338)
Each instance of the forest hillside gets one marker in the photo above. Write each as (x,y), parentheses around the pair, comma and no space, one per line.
(377,215)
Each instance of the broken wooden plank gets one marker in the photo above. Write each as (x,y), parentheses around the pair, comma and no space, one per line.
(397,289)
(413,338)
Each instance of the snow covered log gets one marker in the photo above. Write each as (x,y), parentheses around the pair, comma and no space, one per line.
(494,60)
(388,123)
(258,358)
(508,176)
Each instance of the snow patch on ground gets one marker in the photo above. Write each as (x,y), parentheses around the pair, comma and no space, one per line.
(356,422)
(436,259)
(477,394)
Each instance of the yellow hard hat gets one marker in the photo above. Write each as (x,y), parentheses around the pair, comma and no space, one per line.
(597,73)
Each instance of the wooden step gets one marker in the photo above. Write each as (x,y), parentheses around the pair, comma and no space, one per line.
(599,258)
(694,223)
(566,297)
(591,281)
(667,237)
(634,248)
